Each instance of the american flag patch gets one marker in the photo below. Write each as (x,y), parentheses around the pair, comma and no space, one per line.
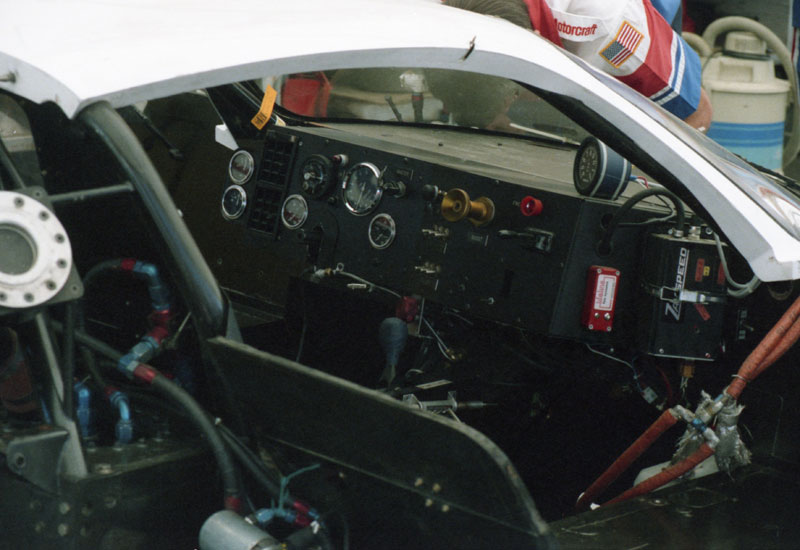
(623,46)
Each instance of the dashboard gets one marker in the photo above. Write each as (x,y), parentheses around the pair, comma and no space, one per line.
(493,227)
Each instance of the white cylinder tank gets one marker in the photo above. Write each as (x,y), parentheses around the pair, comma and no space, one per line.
(748,100)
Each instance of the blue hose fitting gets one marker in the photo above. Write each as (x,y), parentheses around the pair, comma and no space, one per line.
(159,293)
(124,427)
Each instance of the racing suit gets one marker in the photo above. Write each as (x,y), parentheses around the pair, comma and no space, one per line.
(628,39)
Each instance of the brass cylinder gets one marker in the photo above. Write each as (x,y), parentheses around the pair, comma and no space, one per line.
(456,205)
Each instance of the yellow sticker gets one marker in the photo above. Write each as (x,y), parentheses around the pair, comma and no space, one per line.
(706,271)
(265,111)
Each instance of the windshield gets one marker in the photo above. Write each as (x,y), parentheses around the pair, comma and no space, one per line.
(425,96)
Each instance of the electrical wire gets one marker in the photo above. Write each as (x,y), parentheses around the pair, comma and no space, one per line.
(740,290)
(641,180)
(618,360)
(605,243)
(370,285)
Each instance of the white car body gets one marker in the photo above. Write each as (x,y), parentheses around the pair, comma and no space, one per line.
(75,54)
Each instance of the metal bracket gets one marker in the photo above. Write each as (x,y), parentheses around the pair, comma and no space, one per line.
(36,457)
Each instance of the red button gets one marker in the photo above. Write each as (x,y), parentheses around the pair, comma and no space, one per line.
(530,206)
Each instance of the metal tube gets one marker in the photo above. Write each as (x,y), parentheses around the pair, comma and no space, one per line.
(194,277)
(74,197)
(72,459)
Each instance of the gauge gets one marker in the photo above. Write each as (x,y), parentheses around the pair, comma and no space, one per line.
(241,167)
(294,211)
(318,173)
(234,202)
(361,188)
(382,231)
(599,171)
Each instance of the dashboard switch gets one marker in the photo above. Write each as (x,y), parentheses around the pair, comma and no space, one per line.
(530,206)
(600,299)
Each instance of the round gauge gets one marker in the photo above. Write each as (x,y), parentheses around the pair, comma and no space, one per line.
(318,174)
(598,171)
(382,231)
(294,211)
(241,167)
(234,202)
(361,188)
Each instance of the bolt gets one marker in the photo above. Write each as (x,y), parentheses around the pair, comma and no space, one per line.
(60,238)
(28,297)
(428,503)
(419,481)
(63,529)
(18,202)
(43,215)
(64,508)
(61,263)
(445,508)
(436,487)
(39,527)
(109,501)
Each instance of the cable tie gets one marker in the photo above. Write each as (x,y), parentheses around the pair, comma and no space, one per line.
(740,377)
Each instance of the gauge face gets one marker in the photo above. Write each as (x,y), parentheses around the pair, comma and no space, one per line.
(382,231)
(294,211)
(317,174)
(599,171)
(361,188)
(587,166)
(241,167)
(234,202)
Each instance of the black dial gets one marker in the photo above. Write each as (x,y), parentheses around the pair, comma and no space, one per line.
(234,202)
(599,171)
(361,188)
(382,231)
(587,167)
(318,172)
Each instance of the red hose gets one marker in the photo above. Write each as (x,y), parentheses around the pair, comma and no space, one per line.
(662,424)
(660,479)
(755,362)
(777,341)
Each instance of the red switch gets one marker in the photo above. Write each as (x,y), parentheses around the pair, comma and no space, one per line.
(530,206)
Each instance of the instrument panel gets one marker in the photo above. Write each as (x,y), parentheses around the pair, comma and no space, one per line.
(442,217)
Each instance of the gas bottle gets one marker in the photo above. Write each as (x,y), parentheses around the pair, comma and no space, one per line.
(748,100)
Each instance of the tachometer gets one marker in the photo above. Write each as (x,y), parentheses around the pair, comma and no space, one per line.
(382,231)
(241,167)
(318,173)
(294,211)
(361,188)
(599,171)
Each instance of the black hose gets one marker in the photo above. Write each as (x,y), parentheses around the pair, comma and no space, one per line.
(98,268)
(605,244)
(177,394)
(225,463)
(249,460)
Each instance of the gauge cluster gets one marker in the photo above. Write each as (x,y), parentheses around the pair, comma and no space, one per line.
(473,235)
